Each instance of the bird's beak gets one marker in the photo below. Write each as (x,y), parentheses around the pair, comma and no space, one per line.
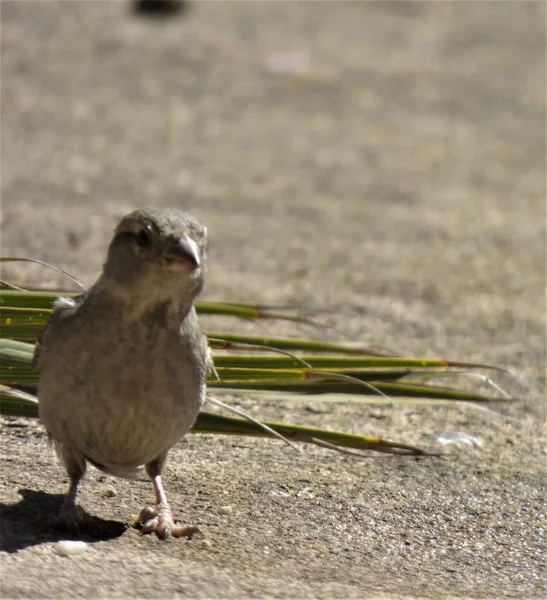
(185,250)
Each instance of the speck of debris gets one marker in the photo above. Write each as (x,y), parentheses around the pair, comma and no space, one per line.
(206,544)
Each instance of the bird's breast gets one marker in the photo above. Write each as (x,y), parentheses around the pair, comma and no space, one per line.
(127,401)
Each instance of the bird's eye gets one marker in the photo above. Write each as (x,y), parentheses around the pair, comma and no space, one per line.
(143,238)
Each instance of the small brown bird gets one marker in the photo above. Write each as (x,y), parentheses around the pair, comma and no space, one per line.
(123,367)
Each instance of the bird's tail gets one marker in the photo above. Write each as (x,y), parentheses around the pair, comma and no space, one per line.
(119,470)
(123,471)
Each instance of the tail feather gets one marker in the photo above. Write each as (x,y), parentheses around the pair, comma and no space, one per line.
(120,470)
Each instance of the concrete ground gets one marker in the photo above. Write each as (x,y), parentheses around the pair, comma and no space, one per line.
(383,159)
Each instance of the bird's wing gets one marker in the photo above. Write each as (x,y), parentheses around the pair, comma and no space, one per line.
(61,307)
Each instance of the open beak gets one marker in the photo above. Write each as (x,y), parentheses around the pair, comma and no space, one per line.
(184,250)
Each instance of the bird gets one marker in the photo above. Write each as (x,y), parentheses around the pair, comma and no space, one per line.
(123,367)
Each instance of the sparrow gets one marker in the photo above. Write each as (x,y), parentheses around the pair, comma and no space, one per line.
(123,367)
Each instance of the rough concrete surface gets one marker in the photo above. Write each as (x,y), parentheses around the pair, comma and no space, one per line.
(383,159)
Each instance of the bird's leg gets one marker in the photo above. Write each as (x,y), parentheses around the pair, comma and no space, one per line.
(71,516)
(158,519)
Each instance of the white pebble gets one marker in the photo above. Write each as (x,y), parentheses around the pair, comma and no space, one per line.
(457,437)
(70,547)
(206,544)
(225,510)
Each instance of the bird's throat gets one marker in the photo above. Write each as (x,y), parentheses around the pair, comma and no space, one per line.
(152,305)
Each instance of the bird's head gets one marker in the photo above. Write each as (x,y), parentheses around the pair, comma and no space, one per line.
(157,255)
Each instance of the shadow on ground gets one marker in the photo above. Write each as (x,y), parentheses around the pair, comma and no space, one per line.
(32,521)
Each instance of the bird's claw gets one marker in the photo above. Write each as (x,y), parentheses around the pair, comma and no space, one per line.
(159,520)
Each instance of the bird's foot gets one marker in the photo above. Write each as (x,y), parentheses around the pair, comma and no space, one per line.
(159,520)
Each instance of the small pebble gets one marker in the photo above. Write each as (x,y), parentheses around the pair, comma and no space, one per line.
(457,437)
(206,544)
(288,63)
(70,547)
(109,492)
(225,510)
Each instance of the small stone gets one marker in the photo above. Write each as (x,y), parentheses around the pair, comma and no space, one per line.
(70,547)
(206,545)
(109,492)
(225,510)
(457,437)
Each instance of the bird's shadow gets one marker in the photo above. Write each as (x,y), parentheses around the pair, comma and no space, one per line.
(32,521)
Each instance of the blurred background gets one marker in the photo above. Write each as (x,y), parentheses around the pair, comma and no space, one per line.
(383,158)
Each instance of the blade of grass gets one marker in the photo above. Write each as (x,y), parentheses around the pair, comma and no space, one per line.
(23,314)
(252,420)
(389,389)
(224,341)
(17,403)
(43,264)
(16,357)
(13,402)
(329,398)
(234,426)
(43,299)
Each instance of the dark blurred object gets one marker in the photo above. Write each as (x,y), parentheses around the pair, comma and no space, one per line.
(159,8)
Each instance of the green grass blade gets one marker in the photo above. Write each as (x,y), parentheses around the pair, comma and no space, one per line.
(43,300)
(208,423)
(23,324)
(390,389)
(16,403)
(224,341)
(322,362)
(16,357)
(328,398)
